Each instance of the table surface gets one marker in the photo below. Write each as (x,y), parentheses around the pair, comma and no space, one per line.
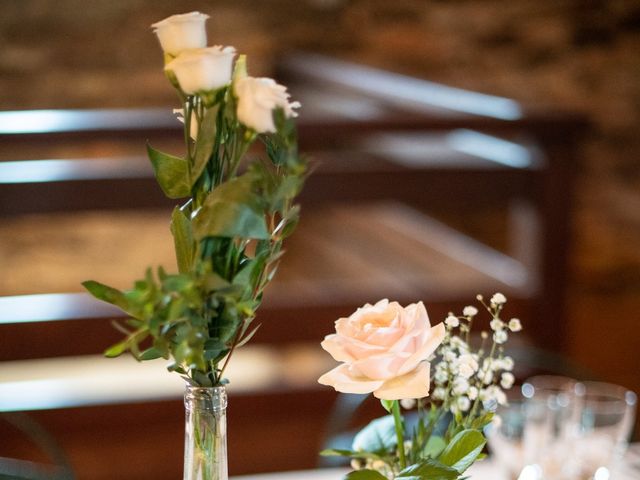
(483,470)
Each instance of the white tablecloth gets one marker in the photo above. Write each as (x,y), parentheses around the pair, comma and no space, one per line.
(480,471)
(484,470)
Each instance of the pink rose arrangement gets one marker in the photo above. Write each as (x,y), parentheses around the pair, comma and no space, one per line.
(387,350)
(384,348)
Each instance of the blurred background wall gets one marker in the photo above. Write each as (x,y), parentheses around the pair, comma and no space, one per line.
(575,54)
(580,55)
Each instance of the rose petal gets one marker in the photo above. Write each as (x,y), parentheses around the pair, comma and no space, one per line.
(341,379)
(382,367)
(334,344)
(414,384)
(385,336)
(436,335)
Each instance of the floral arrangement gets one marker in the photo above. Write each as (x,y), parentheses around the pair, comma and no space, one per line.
(387,350)
(237,208)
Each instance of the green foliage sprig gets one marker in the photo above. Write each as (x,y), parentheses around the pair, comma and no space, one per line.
(228,235)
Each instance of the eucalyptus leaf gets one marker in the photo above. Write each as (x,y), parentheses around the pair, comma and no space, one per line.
(172,173)
(183,240)
(151,354)
(116,350)
(107,294)
(334,452)
(463,450)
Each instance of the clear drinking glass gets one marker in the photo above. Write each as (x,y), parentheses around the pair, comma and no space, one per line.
(505,436)
(552,411)
(600,436)
(205,439)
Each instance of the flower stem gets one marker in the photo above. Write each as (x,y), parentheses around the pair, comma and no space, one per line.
(397,418)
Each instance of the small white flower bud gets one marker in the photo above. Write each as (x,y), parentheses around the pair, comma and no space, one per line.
(515,325)
(470,311)
(472,393)
(452,321)
(506,380)
(484,335)
(498,299)
(496,324)
(463,404)
(408,403)
(500,337)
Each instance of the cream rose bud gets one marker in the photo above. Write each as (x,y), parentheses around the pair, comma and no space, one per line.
(181,32)
(203,69)
(258,98)
(384,348)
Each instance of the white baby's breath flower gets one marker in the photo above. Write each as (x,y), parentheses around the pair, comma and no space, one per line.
(441,376)
(507,363)
(472,393)
(356,464)
(460,385)
(449,356)
(486,376)
(438,393)
(466,365)
(496,393)
(506,380)
(460,344)
(496,324)
(515,325)
(463,403)
(408,403)
(470,311)
(500,337)
(452,321)
(498,299)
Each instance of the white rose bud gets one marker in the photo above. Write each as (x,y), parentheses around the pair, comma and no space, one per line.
(204,69)
(181,32)
(258,98)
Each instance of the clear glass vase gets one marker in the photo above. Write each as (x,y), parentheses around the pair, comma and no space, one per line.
(205,435)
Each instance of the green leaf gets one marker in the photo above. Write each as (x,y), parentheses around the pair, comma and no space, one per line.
(428,470)
(378,436)
(333,452)
(150,354)
(364,475)
(387,404)
(231,210)
(116,350)
(204,143)
(107,294)
(183,240)
(434,447)
(463,450)
(249,336)
(172,173)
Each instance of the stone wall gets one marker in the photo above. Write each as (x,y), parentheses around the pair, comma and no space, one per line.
(577,54)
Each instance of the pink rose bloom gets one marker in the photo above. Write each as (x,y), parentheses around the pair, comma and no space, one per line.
(384,348)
